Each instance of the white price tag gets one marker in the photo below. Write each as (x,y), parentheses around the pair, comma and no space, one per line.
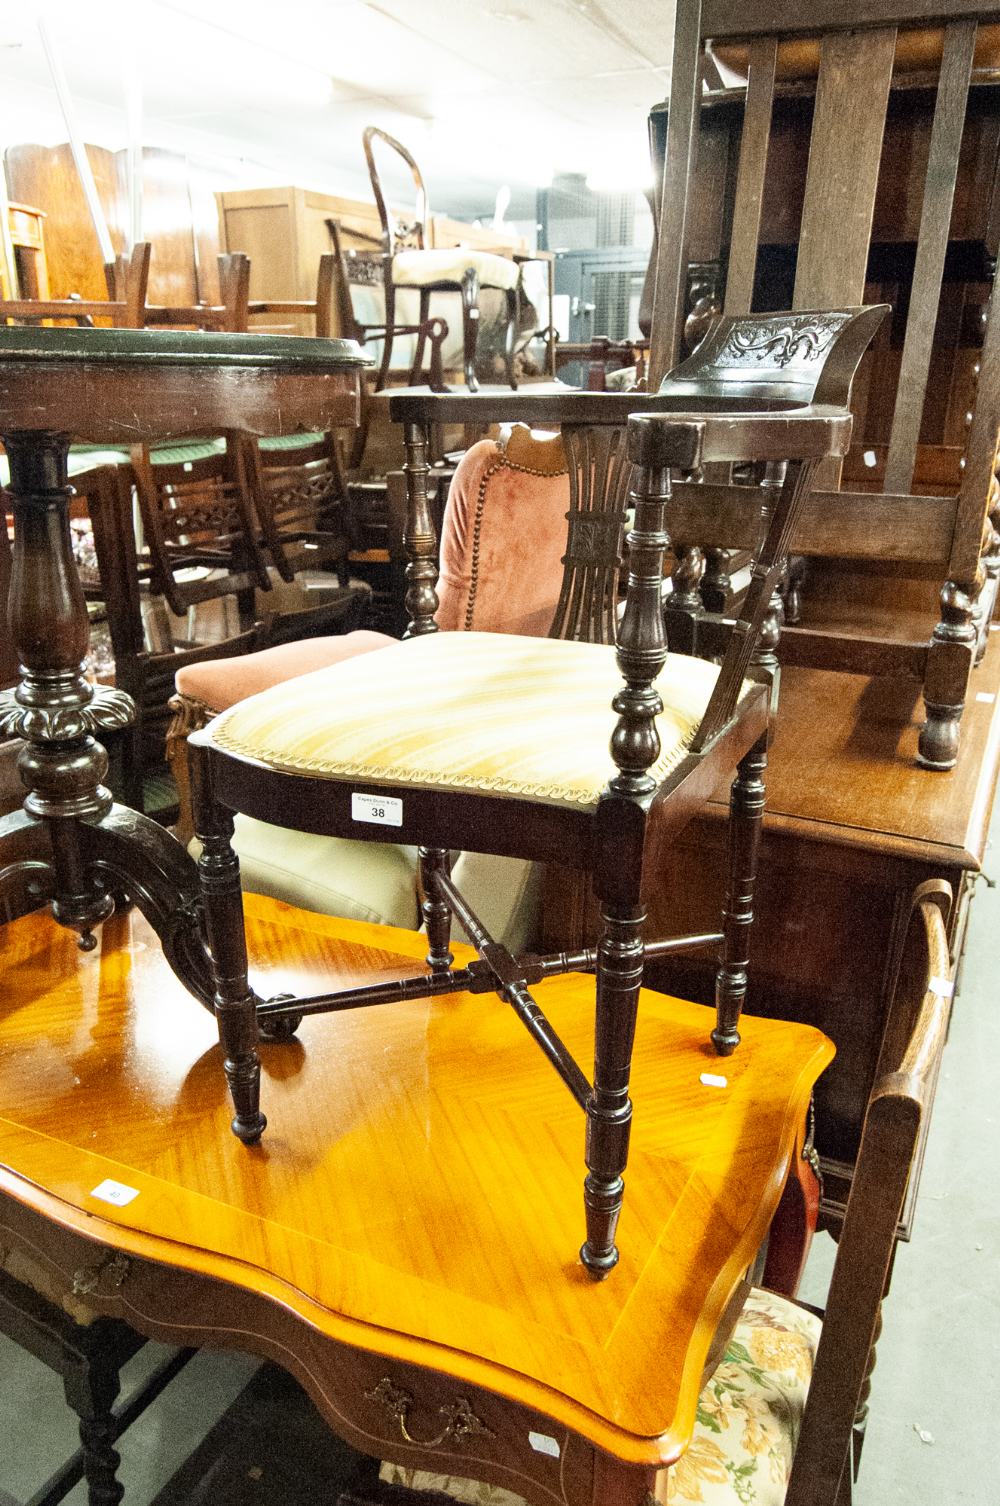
(115,1192)
(543,1444)
(379,810)
(713,1080)
(943,987)
(986,697)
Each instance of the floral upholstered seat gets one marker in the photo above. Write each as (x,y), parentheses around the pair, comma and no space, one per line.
(749,1415)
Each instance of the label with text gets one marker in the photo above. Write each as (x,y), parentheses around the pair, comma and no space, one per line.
(115,1192)
(381,810)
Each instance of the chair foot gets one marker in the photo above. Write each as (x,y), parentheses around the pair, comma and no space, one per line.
(725,1041)
(249,1131)
(602,1198)
(937,747)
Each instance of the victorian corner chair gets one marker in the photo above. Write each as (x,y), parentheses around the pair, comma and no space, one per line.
(408,263)
(499,743)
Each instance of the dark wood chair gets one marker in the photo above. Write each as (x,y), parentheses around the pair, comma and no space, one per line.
(499,743)
(200,529)
(88,1352)
(302,503)
(123,582)
(198,514)
(783,1417)
(407,262)
(821,87)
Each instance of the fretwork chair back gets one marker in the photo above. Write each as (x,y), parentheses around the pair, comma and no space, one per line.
(781,1419)
(302,503)
(859,146)
(145,671)
(499,743)
(200,529)
(408,263)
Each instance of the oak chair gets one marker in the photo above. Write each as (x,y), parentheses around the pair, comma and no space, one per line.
(499,744)
(782,1418)
(407,262)
(852,50)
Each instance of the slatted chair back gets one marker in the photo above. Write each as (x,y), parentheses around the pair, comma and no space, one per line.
(128,282)
(831,1435)
(301,501)
(200,529)
(857,46)
(127,305)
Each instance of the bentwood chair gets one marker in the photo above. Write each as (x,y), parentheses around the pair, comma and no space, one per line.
(499,743)
(408,263)
(781,1420)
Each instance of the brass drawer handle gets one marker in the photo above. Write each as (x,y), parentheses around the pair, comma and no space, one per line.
(88,1278)
(461,1421)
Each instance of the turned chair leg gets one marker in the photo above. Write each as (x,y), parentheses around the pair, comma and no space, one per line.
(382,379)
(222,903)
(949,665)
(746,813)
(417,369)
(510,336)
(435,910)
(91,1389)
(470,325)
(609,1110)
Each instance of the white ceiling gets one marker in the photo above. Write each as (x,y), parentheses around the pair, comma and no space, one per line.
(482,91)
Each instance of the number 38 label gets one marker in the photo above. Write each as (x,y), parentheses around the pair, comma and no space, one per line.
(382,810)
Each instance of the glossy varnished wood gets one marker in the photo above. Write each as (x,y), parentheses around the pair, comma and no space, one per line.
(381,1209)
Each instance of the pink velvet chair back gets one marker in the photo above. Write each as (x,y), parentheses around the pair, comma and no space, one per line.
(504,537)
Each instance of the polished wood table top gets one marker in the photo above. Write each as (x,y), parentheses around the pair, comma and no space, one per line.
(415,1196)
(842,767)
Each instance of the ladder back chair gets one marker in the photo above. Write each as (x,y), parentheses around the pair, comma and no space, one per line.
(407,262)
(500,744)
(781,1419)
(853,50)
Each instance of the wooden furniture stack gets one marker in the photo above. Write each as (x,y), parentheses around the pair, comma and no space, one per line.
(859,165)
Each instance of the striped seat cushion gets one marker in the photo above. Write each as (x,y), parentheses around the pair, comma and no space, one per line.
(492,713)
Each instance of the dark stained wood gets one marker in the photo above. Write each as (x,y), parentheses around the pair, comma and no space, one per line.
(730,18)
(749,198)
(411,235)
(744,395)
(932,245)
(853,828)
(672,242)
(872,193)
(844,155)
(70,839)
(852,525)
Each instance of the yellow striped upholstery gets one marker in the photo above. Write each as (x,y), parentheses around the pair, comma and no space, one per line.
(494,713)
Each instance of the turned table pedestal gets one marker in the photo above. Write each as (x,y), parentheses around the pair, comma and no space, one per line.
(70,843)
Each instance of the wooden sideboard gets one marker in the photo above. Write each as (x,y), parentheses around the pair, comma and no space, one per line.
(852,829)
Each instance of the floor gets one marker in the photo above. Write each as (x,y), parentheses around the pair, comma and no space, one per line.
(929,1440)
